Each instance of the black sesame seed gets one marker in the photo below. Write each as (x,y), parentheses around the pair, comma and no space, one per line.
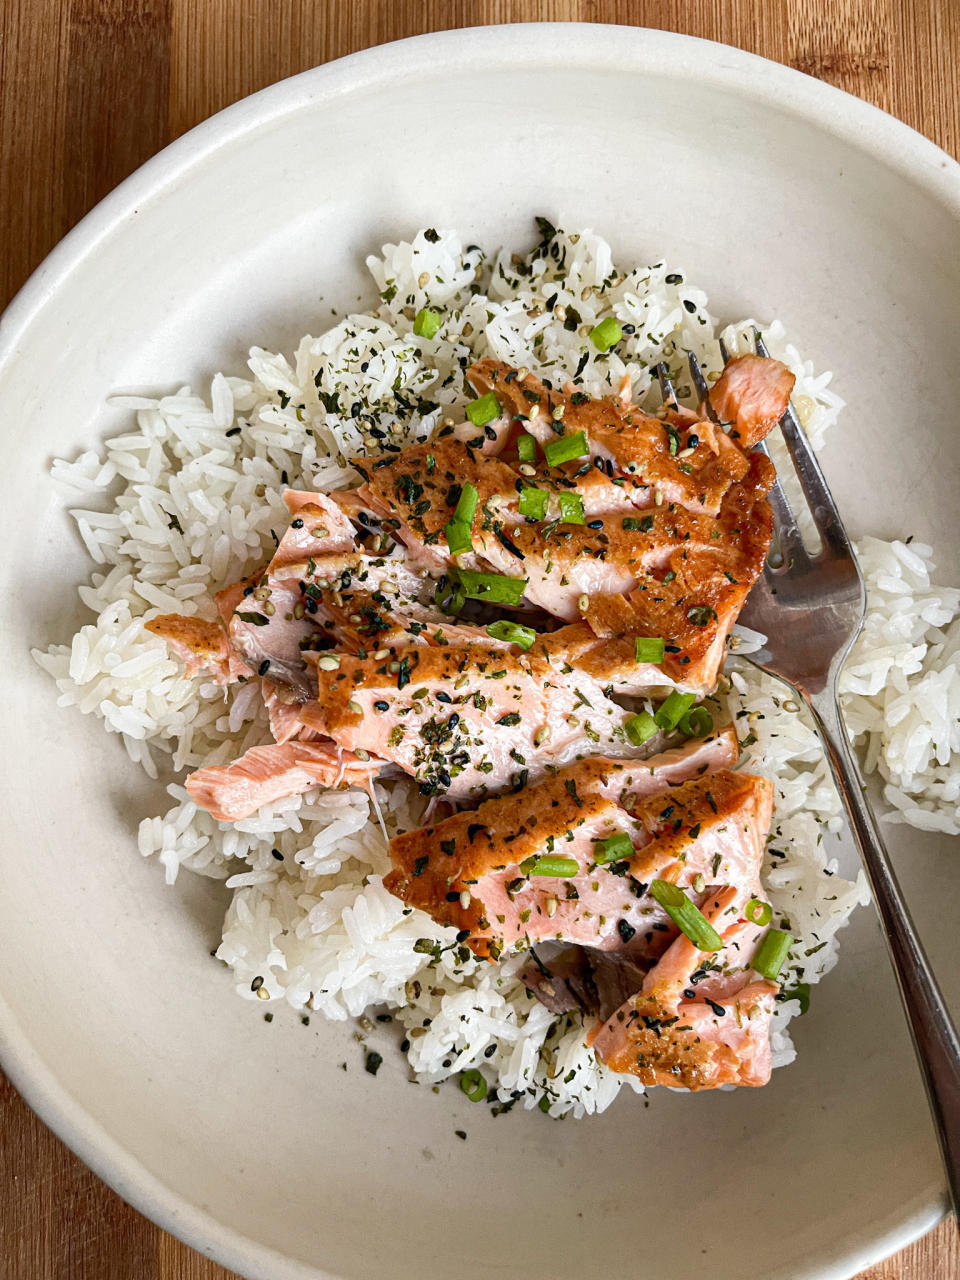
(256,984)
(277,854)
(296,524)
(264,667)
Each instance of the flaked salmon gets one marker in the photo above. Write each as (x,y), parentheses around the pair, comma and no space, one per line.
(272,772)
(531,866)
(466,716)
(751,396)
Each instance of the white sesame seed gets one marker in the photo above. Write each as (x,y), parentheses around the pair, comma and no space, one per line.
(328,662)
(534,412)
(551,905)
(465,899)
(269,608)
(423,279)
(583,604)
(381,654)
(354,707)
(527,470)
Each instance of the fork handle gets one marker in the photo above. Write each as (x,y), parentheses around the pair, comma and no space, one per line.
(934,1035)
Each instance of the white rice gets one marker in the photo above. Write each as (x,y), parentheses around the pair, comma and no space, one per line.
(186,501)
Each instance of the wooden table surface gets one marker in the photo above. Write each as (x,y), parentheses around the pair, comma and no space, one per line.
(89,89)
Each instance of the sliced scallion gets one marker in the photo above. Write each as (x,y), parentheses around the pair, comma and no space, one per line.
(533,503)
(426,322)
(473,1084)
(758,912)
(458,537)
(640,727)
(697,723)
(606,334)
(688,918)
(650,648)
(513,633)
(526,447)
(559,868)
(494,588)
(801,992)
(571,508)
(771,954)
(466,503)
(672,711)
(566,449)
(483,410)
(613,848)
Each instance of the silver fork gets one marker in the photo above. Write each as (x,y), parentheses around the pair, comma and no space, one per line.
(811,609)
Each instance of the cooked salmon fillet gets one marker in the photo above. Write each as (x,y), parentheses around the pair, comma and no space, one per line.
(680,1029)
(679,454)
(466,871)
(751,396)
(465,719)
(656,529)
(264,774)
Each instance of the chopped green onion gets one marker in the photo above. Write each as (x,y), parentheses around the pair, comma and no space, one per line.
(483,410)
(526,447)
(494,588)
(449,597)
(426,322)
(566,449)
(688,918)
(771,954)
(560,868)
(458,537)
(606,334)
(466,503)
(669,715)
(614,848)
(513,633)
(473,1084)
(640,727)
(758,911)
(533,503)
(799,992)
(650,648)
(697,723)
(571,508)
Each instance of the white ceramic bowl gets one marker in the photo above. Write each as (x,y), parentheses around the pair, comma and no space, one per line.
(782,196)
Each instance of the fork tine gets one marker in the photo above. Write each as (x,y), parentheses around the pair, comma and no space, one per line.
(703,391)
(666,386)
(787,547)
(724,353)
(819,498)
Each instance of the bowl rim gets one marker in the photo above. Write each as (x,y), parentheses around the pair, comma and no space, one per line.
(557,44)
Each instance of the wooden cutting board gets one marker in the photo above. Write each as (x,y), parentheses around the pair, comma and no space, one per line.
(89,89)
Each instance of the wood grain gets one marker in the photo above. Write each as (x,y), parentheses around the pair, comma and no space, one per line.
(88,90)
